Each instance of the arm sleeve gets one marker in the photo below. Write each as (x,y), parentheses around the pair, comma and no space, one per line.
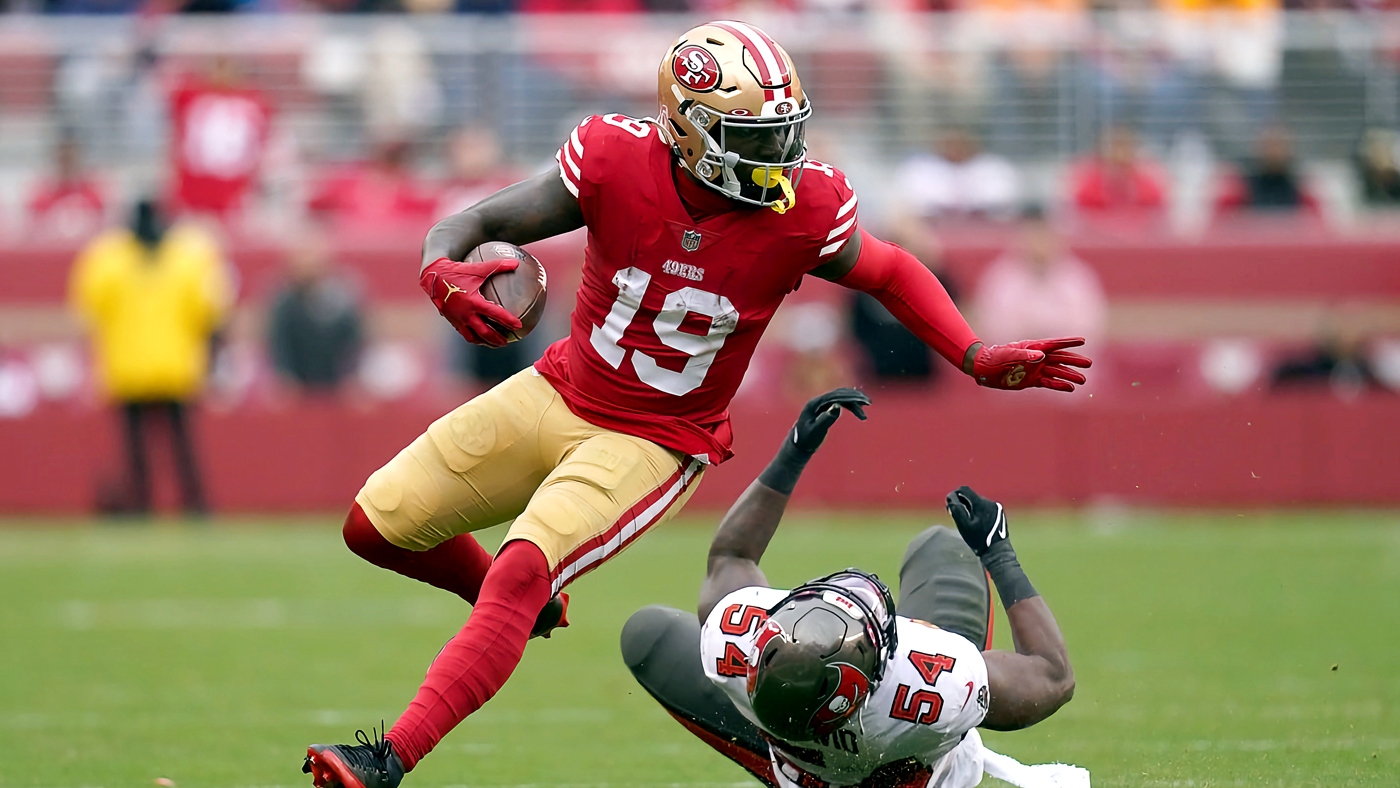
(913,294)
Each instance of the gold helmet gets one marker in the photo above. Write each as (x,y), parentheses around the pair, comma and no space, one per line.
(733,111)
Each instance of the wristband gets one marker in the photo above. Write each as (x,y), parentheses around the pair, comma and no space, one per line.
(1007,574)
(969,362)
(782,473)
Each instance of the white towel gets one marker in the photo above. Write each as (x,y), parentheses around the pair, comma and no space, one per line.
(1045,775)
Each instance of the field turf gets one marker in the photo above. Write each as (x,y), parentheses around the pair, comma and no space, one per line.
(1211,650)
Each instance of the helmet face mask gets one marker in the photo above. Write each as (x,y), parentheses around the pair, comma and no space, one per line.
(821,652)
(734,114)
(754,158)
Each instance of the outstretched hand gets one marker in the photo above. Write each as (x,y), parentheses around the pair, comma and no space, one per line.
(455,289)
(981,521)
(1044,363)
(821,412)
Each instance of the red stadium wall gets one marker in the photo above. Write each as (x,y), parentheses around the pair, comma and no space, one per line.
(914,448)
(1146,437)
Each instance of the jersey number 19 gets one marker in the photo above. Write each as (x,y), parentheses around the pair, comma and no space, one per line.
(632,284)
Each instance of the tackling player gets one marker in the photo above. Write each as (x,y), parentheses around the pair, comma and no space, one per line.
(700,221)
(832,683)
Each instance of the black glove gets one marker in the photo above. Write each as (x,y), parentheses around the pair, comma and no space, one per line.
(981,521)
(807,435)
(821,412)
(982,524)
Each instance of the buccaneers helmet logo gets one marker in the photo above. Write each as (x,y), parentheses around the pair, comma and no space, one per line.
(851,690)
(696,69)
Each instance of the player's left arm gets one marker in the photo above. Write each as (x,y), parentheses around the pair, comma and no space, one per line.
(914,295)
(750,523)
(1035,680)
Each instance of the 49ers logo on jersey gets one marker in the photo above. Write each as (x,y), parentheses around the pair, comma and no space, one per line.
(696,69)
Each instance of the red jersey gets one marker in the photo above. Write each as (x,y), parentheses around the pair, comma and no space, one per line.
(218,142)
(670,310)
(67,209)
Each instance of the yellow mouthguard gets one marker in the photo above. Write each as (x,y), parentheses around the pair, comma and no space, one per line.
(768,177)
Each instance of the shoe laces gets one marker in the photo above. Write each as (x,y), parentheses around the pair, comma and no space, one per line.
(371,754)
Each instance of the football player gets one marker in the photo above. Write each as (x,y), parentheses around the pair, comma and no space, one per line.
(700,221)
(833,683)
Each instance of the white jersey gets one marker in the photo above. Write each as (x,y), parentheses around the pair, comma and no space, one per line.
(915,728)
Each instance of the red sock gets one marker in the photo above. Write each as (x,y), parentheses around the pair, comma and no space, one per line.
(457,565)
(475,664)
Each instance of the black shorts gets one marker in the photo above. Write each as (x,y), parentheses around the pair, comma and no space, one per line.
(940,581)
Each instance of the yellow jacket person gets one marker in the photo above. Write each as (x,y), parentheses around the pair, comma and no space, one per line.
(151,299)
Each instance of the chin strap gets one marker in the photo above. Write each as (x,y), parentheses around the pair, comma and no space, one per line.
(768,177)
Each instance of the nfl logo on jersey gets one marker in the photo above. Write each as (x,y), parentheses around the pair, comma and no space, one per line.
(690,240)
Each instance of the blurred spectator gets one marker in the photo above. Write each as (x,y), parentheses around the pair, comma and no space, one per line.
(811,332)
(1338,361)
(402,97)
(491,365)
(1270,182)
(315,325)
(1118,179)
(960,180)
(1027,74)
(1376,167)
(70,204)
(891,352)
(152,298)
(220,134)
(1040,289)
(474,153)
(91,6)
(1137,82)
(374,194)
(1236,43)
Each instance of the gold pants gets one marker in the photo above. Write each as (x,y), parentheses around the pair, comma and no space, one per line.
(579,492)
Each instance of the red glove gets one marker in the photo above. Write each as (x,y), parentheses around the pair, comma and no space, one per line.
(455,289)
(1030,363)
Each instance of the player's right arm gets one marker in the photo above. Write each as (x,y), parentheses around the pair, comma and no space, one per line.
(525,212)
(750,523)
(1033,682)
(536,208)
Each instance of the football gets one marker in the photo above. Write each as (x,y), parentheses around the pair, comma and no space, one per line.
(521,291)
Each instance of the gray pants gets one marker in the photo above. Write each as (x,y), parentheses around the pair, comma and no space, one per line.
(940,581)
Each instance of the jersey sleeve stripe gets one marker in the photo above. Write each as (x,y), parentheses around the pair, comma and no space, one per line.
(832,247)
(843,228)
(578,146)
(569,160)
(851,203)
(564,173)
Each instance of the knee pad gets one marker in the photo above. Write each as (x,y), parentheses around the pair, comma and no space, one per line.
(645,629)
(937,539)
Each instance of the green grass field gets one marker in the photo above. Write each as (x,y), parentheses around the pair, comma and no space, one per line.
(1261,650)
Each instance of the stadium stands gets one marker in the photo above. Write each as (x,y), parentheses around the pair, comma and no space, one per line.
(374,111)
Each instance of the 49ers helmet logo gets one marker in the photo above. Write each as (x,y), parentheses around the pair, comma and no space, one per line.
(696,69)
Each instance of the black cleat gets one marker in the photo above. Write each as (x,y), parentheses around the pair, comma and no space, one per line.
(554,615)
(364,765)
